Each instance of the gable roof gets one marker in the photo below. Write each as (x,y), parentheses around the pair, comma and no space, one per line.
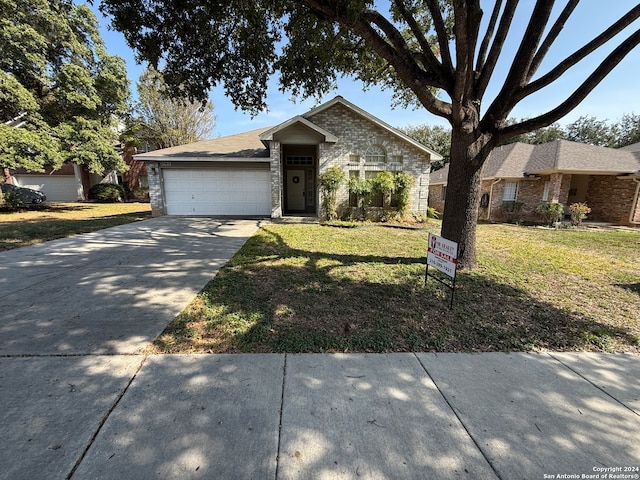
(269,134)
(254,143)
(573,157)
(231,147)
(516,160)
(435,156)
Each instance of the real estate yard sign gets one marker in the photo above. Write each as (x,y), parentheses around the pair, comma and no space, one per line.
(442,254)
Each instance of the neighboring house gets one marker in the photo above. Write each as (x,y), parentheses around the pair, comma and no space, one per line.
(69,183)
(606,179)
(274,171)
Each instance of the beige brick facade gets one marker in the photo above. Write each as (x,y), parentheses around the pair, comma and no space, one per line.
(355,135)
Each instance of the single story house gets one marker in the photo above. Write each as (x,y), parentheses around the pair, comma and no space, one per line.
(274,171)
(606,179)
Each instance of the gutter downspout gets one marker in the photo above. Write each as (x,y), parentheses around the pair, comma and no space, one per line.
(635,202)
(491,198)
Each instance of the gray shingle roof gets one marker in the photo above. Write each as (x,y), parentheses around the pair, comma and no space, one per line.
(634,147)
(516,159)
(241,145)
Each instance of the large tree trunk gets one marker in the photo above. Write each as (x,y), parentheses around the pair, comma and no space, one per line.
(468,153)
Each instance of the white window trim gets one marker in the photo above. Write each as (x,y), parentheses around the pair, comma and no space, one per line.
(375,153)
(512,191)
(545,194)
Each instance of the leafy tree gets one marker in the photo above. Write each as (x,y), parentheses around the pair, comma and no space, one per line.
(436,137)
(590,130)
(541,135)
(165,121)
(433,53)
(628,130)
(57,78)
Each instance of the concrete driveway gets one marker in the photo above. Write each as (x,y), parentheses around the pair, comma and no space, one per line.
(111,291)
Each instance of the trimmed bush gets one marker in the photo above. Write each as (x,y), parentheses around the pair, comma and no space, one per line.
(106,193)
(404,181)
(551,212)
(330,181)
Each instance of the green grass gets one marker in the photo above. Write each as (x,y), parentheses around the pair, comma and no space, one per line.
(310,288)
(58,220)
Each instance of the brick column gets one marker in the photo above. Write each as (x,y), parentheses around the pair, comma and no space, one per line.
(155,189)
(556,184)
(276,180)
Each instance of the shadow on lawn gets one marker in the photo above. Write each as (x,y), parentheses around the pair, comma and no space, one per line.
(29,232)
(289,300)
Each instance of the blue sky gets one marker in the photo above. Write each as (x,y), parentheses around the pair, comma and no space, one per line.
(618,94)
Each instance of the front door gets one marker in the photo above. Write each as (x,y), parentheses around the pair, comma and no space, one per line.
(295,190)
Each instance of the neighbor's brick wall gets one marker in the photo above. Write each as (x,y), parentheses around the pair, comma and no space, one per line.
(355,135)
(529,192)
(436,197)
(610,199)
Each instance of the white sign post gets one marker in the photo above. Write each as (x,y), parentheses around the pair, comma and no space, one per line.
(442,254)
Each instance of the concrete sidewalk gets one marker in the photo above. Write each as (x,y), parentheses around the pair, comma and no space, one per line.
(316,416)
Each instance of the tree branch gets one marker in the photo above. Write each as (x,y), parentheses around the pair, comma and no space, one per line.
(487,69)
(467,24)
(430,59)
(605,67)
(551,37)
(409,71)
(441,32)
(488,35)
(516,78)
(579,55)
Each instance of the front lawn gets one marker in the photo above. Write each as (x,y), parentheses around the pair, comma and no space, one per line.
(49,221)
(311,288)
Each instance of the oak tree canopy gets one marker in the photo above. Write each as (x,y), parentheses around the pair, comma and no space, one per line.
(438,54)
(60,91)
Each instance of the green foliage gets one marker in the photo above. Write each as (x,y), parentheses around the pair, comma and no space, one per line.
(106,192)
(330,181)
(578,213)
(384,184)
(432,213)
(12,200)
(57,75)
(403,183)
(590,130)
(15,99)
(361,188)
(436,137)
(31,147)
(541,135)
(551,212)
(628,130)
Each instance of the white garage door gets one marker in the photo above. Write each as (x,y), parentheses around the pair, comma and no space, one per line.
(57,188)
(217,191)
